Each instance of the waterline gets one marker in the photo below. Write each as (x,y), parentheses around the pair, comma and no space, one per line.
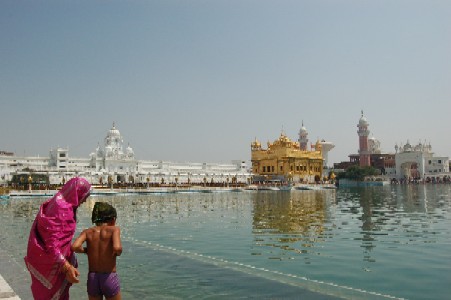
(326,288)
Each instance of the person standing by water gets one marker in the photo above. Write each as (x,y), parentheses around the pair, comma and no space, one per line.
(50,260)
(103,246)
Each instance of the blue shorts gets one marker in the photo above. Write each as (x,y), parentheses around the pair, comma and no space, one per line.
(105,284)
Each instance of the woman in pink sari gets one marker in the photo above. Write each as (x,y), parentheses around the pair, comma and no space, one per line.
(50,260)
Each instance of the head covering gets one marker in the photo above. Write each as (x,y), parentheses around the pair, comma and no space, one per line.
(50,239)
(103,212)
(75,191)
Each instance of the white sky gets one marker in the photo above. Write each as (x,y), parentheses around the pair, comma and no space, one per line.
(200,80)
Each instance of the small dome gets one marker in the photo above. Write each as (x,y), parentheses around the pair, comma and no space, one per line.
(363,121)
(129,151)
(114,132)
(283,138)
(303,130)
(407,147)
(256,145)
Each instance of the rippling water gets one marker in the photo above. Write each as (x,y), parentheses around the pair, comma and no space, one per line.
(360,243)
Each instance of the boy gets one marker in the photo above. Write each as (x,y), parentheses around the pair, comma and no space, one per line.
(103,246)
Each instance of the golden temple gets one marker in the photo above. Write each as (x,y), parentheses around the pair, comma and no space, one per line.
(283,160)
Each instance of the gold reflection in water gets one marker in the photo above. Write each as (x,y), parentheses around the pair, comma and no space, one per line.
(289,221)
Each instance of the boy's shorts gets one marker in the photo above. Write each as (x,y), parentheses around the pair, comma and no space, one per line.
(106,284)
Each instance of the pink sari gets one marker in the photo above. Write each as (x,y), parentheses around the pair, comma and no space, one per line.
(50,240)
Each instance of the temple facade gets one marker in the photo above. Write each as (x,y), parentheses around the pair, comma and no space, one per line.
(417,162)
(286,160)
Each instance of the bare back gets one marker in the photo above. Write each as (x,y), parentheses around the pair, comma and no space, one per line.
(104,244)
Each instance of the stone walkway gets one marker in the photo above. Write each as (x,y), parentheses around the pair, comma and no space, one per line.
(14,278)
(6,292)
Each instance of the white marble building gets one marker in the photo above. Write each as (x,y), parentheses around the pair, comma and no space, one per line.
(418,162)
(111,162)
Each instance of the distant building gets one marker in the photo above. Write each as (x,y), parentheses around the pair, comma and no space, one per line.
(303,138)
(6,153)
(111,163)
(419,163)
(285,160)
(326,147)
(385,162)
(407,163)
(364,151)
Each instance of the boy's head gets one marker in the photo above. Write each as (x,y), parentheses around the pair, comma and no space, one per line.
(103,213)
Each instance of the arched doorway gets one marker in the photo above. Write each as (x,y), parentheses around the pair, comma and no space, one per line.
(409,170)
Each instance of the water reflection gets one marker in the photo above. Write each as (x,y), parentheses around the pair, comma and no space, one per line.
(290,221)
(393,215)
(422,198)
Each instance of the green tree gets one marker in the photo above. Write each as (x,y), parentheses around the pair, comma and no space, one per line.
(358,173)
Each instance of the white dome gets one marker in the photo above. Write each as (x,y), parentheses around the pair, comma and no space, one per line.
(363,121)
(303,131)
(114,138)
(114,132)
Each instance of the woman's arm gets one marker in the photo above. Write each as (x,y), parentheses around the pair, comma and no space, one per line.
(71,272)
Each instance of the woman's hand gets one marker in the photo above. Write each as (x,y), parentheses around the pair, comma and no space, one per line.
(71,273)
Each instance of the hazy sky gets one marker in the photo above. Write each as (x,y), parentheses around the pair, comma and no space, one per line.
(200,80)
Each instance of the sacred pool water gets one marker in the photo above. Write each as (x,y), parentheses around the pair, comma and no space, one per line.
(362,243)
